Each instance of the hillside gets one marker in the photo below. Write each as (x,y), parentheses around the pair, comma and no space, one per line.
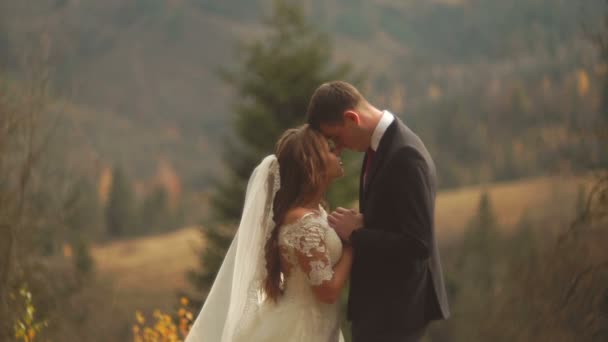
(146,273)
(546,199)
(143,74)
(156,266)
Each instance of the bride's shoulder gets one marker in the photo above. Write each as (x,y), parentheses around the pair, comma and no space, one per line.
(302,225)
(298,214)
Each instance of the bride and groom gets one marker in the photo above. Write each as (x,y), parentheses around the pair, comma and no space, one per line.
(290,260)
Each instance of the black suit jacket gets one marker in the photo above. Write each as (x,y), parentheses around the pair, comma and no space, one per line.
(396,279)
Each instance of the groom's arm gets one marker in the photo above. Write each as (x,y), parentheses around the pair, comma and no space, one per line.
(411,203)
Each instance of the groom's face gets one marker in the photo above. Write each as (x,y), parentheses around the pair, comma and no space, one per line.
(343,135)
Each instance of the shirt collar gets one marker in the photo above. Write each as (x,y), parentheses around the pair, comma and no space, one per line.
(385,121)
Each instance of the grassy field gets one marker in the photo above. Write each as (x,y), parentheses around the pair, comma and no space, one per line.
(150,260)
(547,200)
(151,270)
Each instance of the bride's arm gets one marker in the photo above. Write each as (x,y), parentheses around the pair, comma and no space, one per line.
(329,291)
(314,260)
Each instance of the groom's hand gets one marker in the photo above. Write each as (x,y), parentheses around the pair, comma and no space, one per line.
(345,221)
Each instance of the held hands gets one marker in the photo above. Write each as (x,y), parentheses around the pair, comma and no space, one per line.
(345,221)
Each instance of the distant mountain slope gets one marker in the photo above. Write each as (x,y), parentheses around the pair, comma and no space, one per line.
(151,65)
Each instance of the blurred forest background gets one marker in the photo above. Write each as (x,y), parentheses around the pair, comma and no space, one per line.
(128,130)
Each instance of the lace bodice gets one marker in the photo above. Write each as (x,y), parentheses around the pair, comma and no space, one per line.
(311,248)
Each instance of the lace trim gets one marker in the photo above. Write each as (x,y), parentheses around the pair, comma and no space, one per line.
(255,293)
(319,272)
(306,239)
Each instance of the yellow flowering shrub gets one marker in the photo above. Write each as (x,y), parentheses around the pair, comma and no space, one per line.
(164,328)
(26,327)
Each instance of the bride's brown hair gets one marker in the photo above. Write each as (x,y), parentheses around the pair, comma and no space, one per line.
(300,153)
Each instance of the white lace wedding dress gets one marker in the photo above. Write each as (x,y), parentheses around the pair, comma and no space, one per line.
(235,309)
(311,248)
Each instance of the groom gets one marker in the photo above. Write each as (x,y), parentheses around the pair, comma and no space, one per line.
(396,285)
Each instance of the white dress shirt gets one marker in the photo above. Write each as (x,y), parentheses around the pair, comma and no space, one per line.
(385,121)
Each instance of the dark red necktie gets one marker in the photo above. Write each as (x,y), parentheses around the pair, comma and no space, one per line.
(368,164)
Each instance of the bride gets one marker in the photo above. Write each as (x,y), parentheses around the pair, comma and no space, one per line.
(284,271)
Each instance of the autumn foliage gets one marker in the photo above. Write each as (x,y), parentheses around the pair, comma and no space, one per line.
(164,327)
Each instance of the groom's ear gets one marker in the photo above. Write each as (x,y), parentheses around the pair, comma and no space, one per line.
(352,116)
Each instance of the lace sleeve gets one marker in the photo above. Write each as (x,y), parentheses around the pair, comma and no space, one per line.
(313,257)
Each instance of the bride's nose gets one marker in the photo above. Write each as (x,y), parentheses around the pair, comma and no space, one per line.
(338,150)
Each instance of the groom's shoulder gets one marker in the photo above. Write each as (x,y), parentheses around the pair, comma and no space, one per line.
(408,157)
(407,152)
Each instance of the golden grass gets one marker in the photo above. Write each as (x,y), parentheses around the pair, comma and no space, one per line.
(157,265)
(157,262)
(546,198)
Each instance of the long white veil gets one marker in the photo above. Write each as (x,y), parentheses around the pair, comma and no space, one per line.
(236,292)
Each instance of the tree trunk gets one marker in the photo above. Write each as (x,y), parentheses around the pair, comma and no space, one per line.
(6,264)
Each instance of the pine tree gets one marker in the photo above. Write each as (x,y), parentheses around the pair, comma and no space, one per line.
(473,285)
(581,202)
(154,213)
(83,260)
(82,212)
(480,246)
(274,82)
(119,209)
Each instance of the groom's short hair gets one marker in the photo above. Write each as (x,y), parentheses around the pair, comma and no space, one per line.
(329,101)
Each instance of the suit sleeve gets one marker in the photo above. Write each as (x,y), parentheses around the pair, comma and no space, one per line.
(411,202)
